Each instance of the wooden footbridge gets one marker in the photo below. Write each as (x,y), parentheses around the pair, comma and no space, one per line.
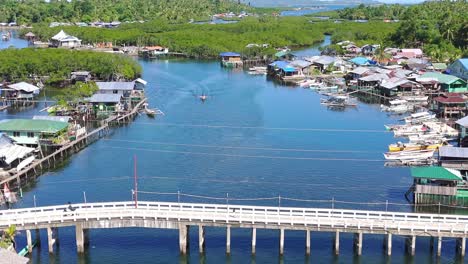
(182,216)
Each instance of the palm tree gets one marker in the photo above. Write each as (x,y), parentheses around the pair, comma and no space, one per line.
(8,236)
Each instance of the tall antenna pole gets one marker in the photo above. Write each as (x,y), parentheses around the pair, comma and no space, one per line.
(135,180)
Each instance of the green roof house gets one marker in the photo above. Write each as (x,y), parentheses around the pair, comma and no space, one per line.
(448,83)
(435,184)
(30,131)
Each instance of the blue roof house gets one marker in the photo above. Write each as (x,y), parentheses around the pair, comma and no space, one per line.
(459,68)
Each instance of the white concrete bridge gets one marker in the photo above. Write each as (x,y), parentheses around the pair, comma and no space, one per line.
(184,215)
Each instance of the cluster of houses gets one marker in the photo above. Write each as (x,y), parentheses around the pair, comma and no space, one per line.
(100,24)
(230,15)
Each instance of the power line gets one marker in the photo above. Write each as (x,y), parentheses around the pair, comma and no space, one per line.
(240,147)
(246,156)
(264,128)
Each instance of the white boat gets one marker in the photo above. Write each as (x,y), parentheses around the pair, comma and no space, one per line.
(258,70)
(410,155)
(409,130)
(419,117)
(337,101)
(305,83)
(25,163)
(416,98)
(397,106)
(426,137)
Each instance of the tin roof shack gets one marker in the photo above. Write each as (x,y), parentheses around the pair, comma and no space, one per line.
(434,185)
(462,125)
(459,68)
(398,86)
(105,105)
(153,51)
(231,60)
(304,67)
(284,55)
(450,105)
(285,71)
(62,39)
(439,66)
(454,157)
(448,83)
(323,63)
(21,91)
(12,155)
(30,132)
(80,76)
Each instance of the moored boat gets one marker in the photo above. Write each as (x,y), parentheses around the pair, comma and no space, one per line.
(413,146)
(410,155)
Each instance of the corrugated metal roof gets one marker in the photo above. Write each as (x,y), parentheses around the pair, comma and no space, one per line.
(325,60)
(105,98)
(53,118)
(301,63)
(23,86)
(14,152)
(463,122)
(31,125)
(464,62)
(453,152)
(229,54)
(441,78)
(126,86)
(436,173)
(11,257)
(360,70)
(375,77)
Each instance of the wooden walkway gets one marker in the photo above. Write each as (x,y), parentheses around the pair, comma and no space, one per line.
(184,215)
(69,148)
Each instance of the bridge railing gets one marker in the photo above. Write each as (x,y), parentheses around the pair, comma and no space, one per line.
(224,213)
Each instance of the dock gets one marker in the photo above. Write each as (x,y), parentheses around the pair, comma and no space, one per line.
(53,159)
(185,216)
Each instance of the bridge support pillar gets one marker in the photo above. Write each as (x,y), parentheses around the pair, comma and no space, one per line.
(254,240)
(228,240)
(439,246)
(281,242)
(38,237)
(80,238)
(50,240)
(358,243)
(307,242)
(461,246)
(411,245)
(29,240)
(337,243)
(201,239)
(183,238)
(388,243)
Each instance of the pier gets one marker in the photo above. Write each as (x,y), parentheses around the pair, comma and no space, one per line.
(51,160)
(183,216)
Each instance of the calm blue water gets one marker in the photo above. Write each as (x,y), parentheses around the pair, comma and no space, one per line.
(186,150)
(307,11)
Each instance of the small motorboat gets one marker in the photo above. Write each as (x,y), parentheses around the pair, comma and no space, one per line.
(419,117)
(414,146)
(410,155)
(203,98)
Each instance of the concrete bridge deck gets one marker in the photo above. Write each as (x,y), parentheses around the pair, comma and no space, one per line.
(183,215)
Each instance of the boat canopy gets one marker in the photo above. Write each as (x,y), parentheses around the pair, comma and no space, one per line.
(436,173)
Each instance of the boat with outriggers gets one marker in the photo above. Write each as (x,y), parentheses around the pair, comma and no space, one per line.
(419,117)
(397,106)
(407,155)
(399,146)
(337,101)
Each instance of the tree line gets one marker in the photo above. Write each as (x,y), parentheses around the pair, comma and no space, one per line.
(439,27)
(37,11)
(55,65)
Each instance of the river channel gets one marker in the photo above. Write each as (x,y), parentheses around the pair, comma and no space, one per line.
(252,138)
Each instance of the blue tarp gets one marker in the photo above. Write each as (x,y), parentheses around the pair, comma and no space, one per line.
(284,65)
(229,54)
(359,60)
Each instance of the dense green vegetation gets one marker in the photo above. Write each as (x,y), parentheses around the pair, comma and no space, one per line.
(208,40)
(36,11)
(57,64)
(75,93)
(439,27)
